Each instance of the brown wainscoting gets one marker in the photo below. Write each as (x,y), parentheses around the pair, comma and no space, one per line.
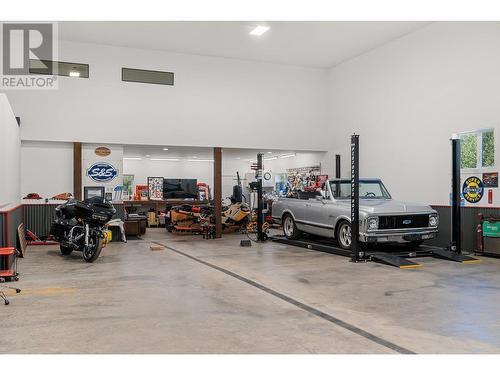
(470,220)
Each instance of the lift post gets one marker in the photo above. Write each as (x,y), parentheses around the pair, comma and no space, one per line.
(456,222)
(337,166)
(356,253)
(260,201)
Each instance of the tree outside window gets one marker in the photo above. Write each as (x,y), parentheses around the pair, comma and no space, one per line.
(477,149)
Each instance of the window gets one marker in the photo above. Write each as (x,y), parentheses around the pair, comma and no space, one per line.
(59,68)
(477,149)
(148,76)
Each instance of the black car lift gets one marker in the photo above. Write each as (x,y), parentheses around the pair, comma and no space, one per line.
(395,256)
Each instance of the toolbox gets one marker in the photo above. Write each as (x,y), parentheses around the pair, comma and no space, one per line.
(488,241)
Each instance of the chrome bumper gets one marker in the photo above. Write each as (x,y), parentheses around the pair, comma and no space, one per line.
(397,235)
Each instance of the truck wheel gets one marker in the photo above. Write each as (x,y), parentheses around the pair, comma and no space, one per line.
(66,250)
(290,229)
(344,236)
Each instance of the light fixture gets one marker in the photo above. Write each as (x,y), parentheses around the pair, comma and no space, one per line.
(74,73)
(287,156)
(259,30)
(133,158)
(237,158)
(148,156)
(207,160)
(165,149)
(271,158)
(165,159)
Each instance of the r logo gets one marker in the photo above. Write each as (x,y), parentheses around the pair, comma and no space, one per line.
(24,41)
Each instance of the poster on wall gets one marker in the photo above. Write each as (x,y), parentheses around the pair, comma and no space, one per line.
(301,178)
(490,180)
(128,186)
(155,188)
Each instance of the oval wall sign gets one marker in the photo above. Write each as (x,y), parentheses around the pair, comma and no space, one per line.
(102,151)
(473,189)
(102,172)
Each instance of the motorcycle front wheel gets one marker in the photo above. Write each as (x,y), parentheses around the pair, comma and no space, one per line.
(92,252)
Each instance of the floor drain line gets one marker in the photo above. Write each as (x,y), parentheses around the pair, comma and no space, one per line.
(356,330)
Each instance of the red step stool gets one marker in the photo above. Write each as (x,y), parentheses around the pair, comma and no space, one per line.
(8,270)
(8,263)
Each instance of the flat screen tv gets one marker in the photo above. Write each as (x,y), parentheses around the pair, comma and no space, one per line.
(180,188)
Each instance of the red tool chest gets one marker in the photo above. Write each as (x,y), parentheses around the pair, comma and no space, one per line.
(8,263)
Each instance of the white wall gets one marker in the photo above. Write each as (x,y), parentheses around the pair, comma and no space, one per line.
(10,149)
(46,168)
(215,102)
(407,97)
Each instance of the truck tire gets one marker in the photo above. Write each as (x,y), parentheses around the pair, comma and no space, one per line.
(290,228)
(343,235)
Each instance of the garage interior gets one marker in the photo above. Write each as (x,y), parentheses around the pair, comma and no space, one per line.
(203,138)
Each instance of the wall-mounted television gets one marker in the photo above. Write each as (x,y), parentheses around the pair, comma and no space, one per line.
(180,188)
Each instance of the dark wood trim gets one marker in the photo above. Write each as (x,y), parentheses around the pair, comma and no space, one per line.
(77,170)
(218,191)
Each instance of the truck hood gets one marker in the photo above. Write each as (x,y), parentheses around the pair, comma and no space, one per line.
(389,206)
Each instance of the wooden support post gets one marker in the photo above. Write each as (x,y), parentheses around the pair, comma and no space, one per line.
(218,191)
(77,170)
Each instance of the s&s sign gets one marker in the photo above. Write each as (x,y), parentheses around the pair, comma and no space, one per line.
(102,172)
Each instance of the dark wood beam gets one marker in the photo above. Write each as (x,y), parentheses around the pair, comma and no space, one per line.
(77,170)
(218,191)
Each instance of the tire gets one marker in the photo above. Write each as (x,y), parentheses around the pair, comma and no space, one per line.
(66,250)
(91,256)
(290,228)
(343,235)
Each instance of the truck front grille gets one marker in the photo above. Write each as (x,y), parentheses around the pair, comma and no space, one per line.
(403,221)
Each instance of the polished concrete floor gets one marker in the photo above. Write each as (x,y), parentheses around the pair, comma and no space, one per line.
(213,296)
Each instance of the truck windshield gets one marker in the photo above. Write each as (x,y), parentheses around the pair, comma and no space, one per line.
(367,190)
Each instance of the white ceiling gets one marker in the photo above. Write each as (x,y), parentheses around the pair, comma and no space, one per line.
(313,44)
(200,152)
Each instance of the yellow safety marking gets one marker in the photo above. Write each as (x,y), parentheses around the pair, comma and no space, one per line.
(411,266)
(472,261)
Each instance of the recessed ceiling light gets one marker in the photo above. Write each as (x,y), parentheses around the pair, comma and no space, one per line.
(133,158)
(165,149)
(148,156)
(74,74)
(238,158)
(269,152)
(259,30)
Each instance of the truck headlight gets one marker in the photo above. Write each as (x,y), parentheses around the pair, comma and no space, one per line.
(373,223)
(433,221)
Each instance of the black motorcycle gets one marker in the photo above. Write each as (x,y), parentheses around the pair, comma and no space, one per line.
(79,225)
